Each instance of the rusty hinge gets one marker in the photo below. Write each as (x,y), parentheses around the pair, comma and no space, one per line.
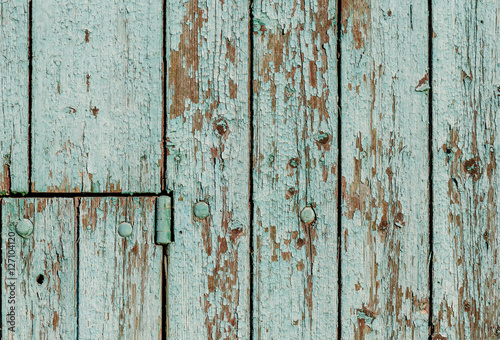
(163,220)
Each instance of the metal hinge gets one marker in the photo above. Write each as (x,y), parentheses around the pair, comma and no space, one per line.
(163,220)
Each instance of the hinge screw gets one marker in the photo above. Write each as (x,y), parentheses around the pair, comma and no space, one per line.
(201,210)
(307,215)
(24,228)
(125,229)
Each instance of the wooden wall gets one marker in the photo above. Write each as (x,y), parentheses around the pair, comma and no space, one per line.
(345,149)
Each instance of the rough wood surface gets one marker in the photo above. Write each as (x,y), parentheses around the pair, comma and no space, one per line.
(13,96)
(466,101)
(385,169)
(97,96)
(208,160)
(295,155)
(45,284)
(119,278)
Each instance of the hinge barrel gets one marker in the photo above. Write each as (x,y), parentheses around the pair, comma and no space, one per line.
(163,220)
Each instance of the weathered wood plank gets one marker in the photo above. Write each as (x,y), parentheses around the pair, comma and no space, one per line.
(44,276)
(385,169)
(13,96)
(295,155)
(208,160)
(466,108)
(97,96)
(119,278)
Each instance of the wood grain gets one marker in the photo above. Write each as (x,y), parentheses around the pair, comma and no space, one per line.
(119,278)
(385,169)
(13,96)
(208,160)
(295,156)
(45,275)
(466,102)
(97,96)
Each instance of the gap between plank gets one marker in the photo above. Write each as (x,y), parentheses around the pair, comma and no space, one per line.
(251,164)
(431,167)
(77,227)
(163,177)
(30,86)
(82,194)
(1,267)
(163,174)
(339,171)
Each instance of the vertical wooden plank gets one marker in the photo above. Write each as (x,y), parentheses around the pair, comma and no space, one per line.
(97,96)
(208,160)
(295,155)
(385,169)
(466,103)
(40,270)
(119,278)
(13,96)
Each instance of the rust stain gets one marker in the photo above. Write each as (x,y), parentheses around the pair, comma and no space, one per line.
(87,36)
(95,111)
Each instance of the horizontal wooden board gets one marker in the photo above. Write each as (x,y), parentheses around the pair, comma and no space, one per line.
(97,96)
(14,96)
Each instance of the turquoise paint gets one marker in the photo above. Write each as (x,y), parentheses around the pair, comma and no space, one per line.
(97,96)
(13,96)
(295,116)
(466,112)
(45,271)
(385,170)
(208,136)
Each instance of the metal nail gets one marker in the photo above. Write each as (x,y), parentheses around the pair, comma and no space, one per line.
(307,215)
(24,228)
(125,229)
(201,210)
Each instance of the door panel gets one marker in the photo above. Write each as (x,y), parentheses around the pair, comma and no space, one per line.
(97,96)
(14,101)
(76,275)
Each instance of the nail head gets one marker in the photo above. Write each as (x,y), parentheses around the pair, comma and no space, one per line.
(24,228)
(307,215)
(125,229)
(201,210)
